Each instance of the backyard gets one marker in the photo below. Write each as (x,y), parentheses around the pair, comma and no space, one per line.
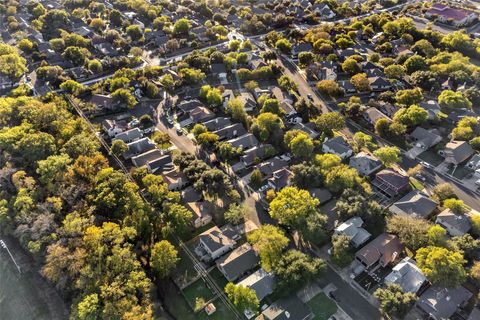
(322,307)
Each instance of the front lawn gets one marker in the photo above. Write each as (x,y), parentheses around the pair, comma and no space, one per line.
(322,307)
(197,294)
(417,184)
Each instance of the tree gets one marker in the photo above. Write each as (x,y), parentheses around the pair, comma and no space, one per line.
(467,129)
(408,97)
(124,97)
(207,139)
(388,155)
(272,106)
(360,82)
(330,88)
(167,82)
(412,231)
(341,254)
(328,122)
(283,45)
(441,265)
(192,76)
(181,26)
(235,214)
(475,218)
(456,205)
(443,191)
(394,71)
(214,97)
(286,83)
(415,63)
(236,109)
(437,235)
(163,258)
(76,55)
(466,244)
(72,87)
(411,116)
(305,58)
(243,298)
(394,302)
(364,140)
(269,241)
(292,207)
(449,100)
(350,66)
(301,146)
(12,64)
(134,32)
(25,45)
(475,271)
(268,127)
(295,268)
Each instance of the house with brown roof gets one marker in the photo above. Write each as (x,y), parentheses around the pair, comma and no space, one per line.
(381,251)
(176,180)
(391,182)
(456,152)
(202,212)
(444,13)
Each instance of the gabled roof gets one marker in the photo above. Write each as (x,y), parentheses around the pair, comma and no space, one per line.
(338,145)
(365,162)
(289,308)
(268,167)
(130,135)
(352,228)
(384,249)
(151,155)
(215,239)
(414,203)
(231,131)
(245,142)
(238,261)
(218,68)
(458,151)
(407,275)
(308,128)
(255,152)
(441,303)
(217,123)
(322,194)
(458,221)
(428,138)
(261,281)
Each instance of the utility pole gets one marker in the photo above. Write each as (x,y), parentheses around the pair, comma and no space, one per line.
(4,246)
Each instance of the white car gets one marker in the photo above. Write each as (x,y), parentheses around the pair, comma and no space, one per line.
(148,130)
(135,122)
(178,129)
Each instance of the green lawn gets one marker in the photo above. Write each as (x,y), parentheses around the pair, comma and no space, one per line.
(222,312)
(197,294)
(322,307)
(416,184)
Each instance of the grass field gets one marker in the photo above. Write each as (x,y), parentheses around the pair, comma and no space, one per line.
(19,299)
(197,294)
(322,307)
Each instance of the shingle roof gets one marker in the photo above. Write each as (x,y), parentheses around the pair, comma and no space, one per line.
(238,261)
(261,281)
(414,203)
(407,275)
(441,303)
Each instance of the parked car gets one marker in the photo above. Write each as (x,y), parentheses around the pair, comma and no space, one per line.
(178,129)
(135,122)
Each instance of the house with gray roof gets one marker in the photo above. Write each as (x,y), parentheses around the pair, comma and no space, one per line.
(217,123)
(256,153)
(455,224)
(365,163)
(432,107)
(231,131)
(261,281)
(280,179)
(441,303)
(267,168)
(114,127)
(214,243)
(457,152)
(414,203)
(246,141)
(238,262)
(138,147)
(322,194)
(372,115)
(337,146)
(160,164)
(143,158)
(352,228)
(424,138)
(308,128)
(407,275)
(289,308)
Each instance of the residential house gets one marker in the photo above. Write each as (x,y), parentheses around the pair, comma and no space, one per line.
(381,251)
(347,86)
(220,71)
(440,303)
(130,135)
(474,162)
(365,163)
(248,101)
(267,168)
(227,95)
(113,127)
(186,106)
(323,10)
(289,308)
(202,212)
(301,47)
(214,243)
(142,159)
(432,107)
(322,194)
(379,84)
(256,154)
(280,179)
(446,14)
(138,147)
(391,182)
(246,141)
(337,146)
(457,152)
(424,138)
(230,132)
(352,228)
(308,128)
(217,123)
(262,282)
(455,224)
(175,180)
(160,164)
(388,109)
(372,115)
(103,101)
(236,263)
(415,203)
(407,275)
